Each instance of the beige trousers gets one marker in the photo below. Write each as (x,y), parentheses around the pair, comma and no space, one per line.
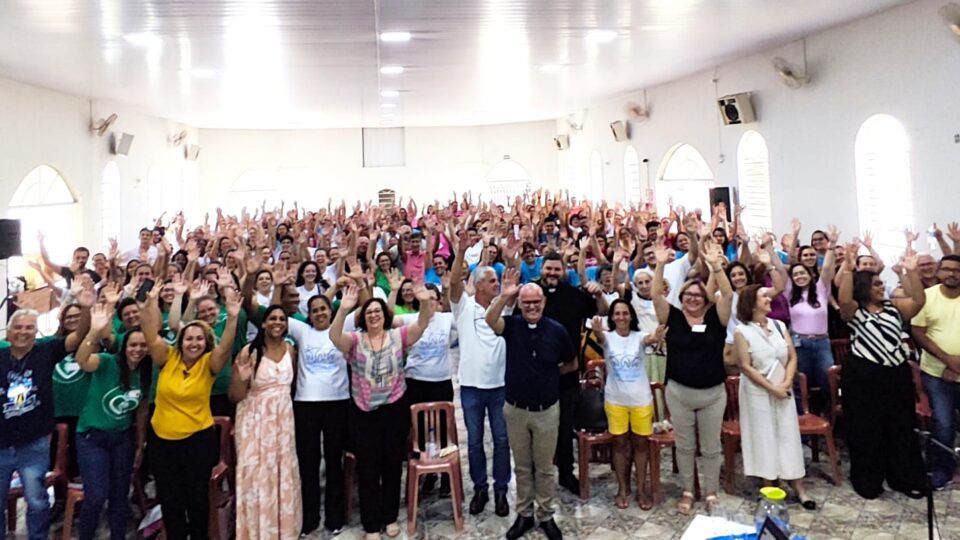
(533,440)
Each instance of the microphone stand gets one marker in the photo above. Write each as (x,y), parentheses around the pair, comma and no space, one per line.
(926,437)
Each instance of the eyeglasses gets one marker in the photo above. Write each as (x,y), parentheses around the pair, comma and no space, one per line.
(692,295)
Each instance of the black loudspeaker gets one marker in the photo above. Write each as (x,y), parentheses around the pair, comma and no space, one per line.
(9,238)
(725,195)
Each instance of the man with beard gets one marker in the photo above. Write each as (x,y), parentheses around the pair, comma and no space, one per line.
(569,306)
(936,330)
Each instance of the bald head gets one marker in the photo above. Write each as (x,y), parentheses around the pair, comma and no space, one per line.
(531,302)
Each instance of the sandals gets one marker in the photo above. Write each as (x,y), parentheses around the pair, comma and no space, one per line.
(645,501)
(393,530)
(685,504)
(808,503)
(621,501)
(713,503)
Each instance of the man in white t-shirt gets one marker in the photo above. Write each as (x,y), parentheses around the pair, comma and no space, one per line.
(145,251)
(482,392)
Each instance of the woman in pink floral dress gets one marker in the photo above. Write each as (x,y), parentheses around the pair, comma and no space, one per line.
(268,480)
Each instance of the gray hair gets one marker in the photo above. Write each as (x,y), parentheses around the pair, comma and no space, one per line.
(479,273)
(24,313)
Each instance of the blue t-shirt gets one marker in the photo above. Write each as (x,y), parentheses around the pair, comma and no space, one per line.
(530,272)
(497,267)
(430,276)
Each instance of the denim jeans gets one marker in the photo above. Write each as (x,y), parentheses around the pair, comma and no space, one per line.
(31,461)
(814,358)
(106,462)
(476,403)
(944,399)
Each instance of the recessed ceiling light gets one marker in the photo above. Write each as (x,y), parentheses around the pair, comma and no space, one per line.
(388,105)
(143,39)
(391,70)
(202,73)
(395,37)
(550,68)
(389,93)
(598,35)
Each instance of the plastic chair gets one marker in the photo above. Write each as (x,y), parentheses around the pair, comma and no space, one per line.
(422,464)
(811,424)
(56,477)
(587,442)
(659,441)
(833,379)
(74,495)
(840,349)
(730,432)
(222,490)
(922,406)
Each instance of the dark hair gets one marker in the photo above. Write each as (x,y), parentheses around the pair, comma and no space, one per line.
(814,233)
(634,321)
(82,249)
(738,264)
(260,342)
(433,287)
(862,283)
(746,302)
(553,256)
(952,258)
(61,331)
(815,269)
(797,293)
(860,258)
(145,367)
(303,266)
(651,224)
(726,239)
(387,314)
(604,268)
(286,237)
(415,305)
(145,229)
(321,298)
(124,304)
(262,271)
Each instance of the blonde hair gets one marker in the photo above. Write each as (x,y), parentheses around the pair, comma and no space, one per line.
(207,334)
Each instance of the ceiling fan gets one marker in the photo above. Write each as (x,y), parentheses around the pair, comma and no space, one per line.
(951,16)
(790,76)
(635,112)
(178,138)
(101,126)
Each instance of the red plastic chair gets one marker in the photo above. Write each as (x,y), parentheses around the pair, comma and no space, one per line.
(589,443)
(811,424)
(730,432)
(430,413)
(922,406)
(56,477)
(833,379)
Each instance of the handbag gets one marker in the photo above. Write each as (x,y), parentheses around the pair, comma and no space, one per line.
(590,416)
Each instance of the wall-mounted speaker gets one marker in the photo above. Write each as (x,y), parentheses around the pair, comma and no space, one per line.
(562,142)
(726,195)
(736,109)
(9,238)
(122,144)
(620,130)
(192,152)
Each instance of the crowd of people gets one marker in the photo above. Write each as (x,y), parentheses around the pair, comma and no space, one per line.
(317,330)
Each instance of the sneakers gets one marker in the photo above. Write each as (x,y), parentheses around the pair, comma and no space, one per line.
(521,526)
(500,505)
(479,502)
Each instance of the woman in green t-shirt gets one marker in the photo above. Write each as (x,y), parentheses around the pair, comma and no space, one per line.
(70,385)
(108,446)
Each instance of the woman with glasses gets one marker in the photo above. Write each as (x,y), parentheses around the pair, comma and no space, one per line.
(877,385)
(695,373)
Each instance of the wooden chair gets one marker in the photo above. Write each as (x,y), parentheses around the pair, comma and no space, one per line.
(431,414)
(587,442)
(74,495)
(659,441)
(730,432)
(922,405)
(56,477)
(833,379)
(813,425)
(222,490)
(841,350)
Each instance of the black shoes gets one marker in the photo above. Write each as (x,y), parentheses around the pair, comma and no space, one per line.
(500,506)
(550,529)
(479,502)
(522,525)
(571,482)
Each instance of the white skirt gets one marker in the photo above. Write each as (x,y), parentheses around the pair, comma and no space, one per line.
(770,434)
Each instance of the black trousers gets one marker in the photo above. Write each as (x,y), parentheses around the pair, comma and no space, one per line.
(878,409)
(220,405)
(565,434)
(426,392)
(321,428)
(379,439)
(182,471)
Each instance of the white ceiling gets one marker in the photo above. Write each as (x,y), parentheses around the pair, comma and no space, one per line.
(314,63)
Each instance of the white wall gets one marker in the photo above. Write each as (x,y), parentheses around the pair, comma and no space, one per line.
(902,62)
(329,163)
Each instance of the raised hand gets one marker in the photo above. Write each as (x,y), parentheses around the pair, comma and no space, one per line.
(867,240)
(111,293)
(909,261)
(224,278)
(910,235)
(661,254)
(243,367)
(86,297)
(350,295)
(233,303)
(953,231)
(395,278)
(511,283)
(597,324)
(593,288)
(180,286)
(850,256)
(795,226)
(764,258)
(200,289)
(100,317)
(833,234)
(422,293)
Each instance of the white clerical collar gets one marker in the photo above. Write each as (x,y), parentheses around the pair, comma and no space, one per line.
(532,326)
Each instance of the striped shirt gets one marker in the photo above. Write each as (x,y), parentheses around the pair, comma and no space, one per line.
(879,337)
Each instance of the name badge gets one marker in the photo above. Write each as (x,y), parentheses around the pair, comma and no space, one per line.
(698,328)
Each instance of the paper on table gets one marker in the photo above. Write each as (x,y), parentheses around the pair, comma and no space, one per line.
(703,527)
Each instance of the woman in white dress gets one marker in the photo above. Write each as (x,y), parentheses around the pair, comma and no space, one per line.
(769,428)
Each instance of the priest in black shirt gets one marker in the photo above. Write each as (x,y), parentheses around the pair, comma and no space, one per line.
(569,306)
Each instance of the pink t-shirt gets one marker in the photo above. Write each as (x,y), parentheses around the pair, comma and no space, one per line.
(414,265)
(377,377)
(804,318)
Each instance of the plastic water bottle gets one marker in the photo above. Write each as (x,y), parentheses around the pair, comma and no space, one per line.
(772,505)
(432,450)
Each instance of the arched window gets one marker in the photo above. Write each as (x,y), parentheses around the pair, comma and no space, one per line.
(44,203)
(110,220)
(632,188)
(753,170)
(596,176)
(684,178)
(506,180)
(252,188)
(882,153)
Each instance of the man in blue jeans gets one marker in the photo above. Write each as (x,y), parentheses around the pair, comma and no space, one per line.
(482,364)
(936,330)
(26,418)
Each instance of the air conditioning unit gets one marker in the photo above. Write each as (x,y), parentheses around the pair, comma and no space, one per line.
(736,109)
(620,130)
(562,142)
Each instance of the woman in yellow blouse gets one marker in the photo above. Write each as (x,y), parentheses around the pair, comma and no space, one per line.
(183,446)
